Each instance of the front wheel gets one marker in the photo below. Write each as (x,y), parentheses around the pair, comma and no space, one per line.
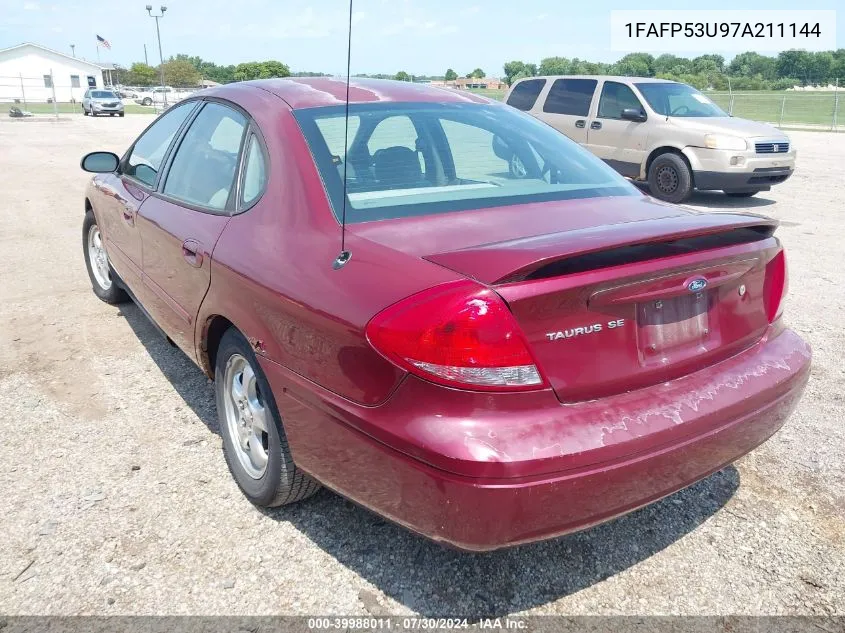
(254,441)
(120,114)
(104,280)
(741,194)
(669,178)
(147,101)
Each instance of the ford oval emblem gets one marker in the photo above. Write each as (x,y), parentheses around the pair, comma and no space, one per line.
(697,285)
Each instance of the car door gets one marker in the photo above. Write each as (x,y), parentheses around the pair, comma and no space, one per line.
(567,106)
(180,224)
(619,142)
(121,195)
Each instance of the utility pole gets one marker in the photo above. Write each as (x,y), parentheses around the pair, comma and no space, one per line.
(73,49)
(146,61)
(160,56)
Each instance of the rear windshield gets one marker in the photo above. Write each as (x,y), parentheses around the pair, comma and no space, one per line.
(409,159)
(103,94)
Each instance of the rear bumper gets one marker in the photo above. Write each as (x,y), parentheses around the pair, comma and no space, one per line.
(481,478)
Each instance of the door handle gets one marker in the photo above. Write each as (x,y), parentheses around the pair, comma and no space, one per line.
(192,252)
(580,123)
(595,125)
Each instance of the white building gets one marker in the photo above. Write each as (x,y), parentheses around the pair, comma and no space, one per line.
(30,73)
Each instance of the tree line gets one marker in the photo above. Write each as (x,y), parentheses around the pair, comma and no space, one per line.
(746,71)
(187,70)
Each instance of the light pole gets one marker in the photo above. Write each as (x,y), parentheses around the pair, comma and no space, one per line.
(160,56)
(73,49)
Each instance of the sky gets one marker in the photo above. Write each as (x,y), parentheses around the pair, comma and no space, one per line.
(423,37)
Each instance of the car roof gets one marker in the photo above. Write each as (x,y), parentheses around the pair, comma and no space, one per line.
(619,78)
(310,92)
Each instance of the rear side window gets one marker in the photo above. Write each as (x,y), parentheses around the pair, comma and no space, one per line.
(524,94)
(255,174)
(616,97)
(570,96)
(203,169)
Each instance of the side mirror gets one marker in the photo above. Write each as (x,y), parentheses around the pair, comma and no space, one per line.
(633,114)
(100,162)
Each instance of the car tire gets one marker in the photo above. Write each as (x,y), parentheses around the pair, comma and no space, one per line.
(120,114)
(741,194)
(147,101)
(84,111)
(670,178)
(254,442)
(105,282)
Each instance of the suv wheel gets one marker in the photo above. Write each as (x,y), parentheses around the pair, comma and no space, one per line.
(669,178)
(254,441)
(147,101)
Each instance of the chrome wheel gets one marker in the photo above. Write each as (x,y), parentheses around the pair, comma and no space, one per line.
(246,416)
(97,258)
(517,167)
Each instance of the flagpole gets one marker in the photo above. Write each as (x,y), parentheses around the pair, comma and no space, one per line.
(98,52)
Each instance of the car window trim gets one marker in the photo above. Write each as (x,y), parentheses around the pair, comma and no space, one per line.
(601,94)
(253,131)
(121,165)
(158,192)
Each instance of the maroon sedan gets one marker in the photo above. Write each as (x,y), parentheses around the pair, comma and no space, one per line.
(504,357)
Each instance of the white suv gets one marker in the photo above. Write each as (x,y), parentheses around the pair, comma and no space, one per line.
(665,133)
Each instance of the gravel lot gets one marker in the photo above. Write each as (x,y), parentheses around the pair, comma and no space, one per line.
(116,498)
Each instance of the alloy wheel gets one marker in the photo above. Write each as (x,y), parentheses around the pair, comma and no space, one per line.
(247,416)
(98,260)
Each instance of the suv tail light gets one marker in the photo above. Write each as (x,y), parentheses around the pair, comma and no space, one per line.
(774,288)
(457,334)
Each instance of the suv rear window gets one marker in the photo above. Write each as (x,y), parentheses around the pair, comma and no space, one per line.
(570,96)
(524,94)
(415,159)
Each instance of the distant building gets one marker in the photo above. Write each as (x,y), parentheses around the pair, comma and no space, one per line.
(25,74)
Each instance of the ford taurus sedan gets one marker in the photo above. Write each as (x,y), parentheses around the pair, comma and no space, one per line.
(497,360)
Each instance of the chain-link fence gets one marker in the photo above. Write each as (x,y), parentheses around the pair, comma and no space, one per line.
(23,96)
(821,110)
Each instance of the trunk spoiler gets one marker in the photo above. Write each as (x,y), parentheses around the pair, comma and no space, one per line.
(597,247)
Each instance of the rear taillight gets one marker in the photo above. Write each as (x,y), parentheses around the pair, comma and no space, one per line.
(774,288)
(458,334)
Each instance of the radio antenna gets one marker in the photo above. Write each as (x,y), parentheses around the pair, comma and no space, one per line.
(345,255)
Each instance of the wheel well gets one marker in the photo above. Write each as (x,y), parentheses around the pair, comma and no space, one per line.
(668,150)
(88,206)
(215,327)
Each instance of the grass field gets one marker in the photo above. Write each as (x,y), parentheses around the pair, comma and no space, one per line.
(69,108)
(782,108)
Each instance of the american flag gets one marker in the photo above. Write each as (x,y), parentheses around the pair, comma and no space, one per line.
(103,42)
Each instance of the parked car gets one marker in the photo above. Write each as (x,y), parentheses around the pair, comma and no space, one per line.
(96,102)
(157,95)
(664,133)
(492,359)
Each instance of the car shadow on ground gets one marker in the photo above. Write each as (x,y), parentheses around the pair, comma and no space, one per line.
(188,380)
(718,200)
(433,580)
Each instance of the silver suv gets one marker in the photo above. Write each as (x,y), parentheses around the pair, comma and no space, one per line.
(96,102)
(665,133)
